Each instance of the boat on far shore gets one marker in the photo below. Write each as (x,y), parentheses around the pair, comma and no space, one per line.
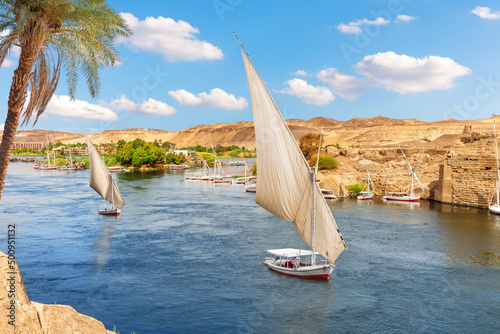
(328,194)
(494,207)
(405,196)
(251,188)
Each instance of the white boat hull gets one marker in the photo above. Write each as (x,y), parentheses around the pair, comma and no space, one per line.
(330,197)
(316,271)
(495,209)
(365,197)
(402,198)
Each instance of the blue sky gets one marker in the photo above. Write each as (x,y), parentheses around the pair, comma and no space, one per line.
(430,60)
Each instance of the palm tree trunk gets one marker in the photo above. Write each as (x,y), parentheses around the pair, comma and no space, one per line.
(17,98)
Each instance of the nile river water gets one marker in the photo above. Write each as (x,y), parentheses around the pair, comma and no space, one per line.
(185,257)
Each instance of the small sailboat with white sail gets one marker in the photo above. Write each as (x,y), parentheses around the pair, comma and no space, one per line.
(495,198)
(288,189)
(101,180)
(403,196)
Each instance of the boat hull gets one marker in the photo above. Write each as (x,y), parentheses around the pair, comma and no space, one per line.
(317,271)
(115,212)
(402,198)
(330,197)
(364,198)
(494,209)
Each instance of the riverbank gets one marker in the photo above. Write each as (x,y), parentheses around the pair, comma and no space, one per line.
(21,315)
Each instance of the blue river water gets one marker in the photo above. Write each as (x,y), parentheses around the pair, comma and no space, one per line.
(185,257)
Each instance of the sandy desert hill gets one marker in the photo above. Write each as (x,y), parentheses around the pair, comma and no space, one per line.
(363,132)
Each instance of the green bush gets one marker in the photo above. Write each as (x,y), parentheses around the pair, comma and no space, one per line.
(357,188)
(326,161)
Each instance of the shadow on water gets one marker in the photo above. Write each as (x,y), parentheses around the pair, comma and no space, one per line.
(102,243)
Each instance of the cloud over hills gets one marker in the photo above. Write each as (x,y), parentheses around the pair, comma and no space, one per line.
(175,40)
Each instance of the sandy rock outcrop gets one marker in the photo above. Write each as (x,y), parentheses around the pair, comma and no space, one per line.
(23,316)
(29,159)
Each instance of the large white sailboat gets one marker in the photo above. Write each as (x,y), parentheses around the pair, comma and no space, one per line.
(403,196)
(288,189)
(495,205)
(102,182)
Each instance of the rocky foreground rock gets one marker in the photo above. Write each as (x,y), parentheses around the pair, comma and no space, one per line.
(21,316)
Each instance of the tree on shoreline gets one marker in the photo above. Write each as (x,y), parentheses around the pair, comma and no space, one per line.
(52,35)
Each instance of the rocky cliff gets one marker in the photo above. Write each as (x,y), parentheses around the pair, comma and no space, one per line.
(22,316)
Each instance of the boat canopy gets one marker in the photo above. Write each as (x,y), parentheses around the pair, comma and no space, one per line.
(290,252)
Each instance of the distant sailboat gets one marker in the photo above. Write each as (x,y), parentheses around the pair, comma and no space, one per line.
(367,195)
(495,206)
(402,196)
(48,166)
(288,189)
(102,182)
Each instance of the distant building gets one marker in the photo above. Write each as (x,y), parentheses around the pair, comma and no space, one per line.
(79,150)
(28,145)
(187,153)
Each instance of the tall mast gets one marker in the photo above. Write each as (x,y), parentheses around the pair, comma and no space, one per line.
(215,154)
(53,151)
(409,165)
(111,182)
(498,165)
(313,231)
(48,157)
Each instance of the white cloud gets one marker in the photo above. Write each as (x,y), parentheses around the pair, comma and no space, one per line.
(486,13)
(300,73)
(63,106)
(355,26)
(8,63)
(148,107)
(2,126)
(346,86)
(176,41)
(405,18)
(154,107)
(217,98)
(405,74)
(15,50)
(308,93)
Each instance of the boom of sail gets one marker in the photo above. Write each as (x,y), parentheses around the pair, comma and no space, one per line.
(286,185)
(101,180)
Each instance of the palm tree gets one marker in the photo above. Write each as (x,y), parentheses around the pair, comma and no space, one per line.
(75,35)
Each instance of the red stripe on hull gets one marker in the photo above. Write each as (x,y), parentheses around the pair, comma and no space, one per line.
(109,214)
(496,213)
(403,200)
(300,276)
(364,199)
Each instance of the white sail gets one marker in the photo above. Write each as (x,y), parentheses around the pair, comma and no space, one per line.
(284,178)
(101,180)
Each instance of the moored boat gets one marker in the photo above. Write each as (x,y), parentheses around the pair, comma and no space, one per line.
(365,196)
(328,194)
(401,197)
(251,188)
(494,207)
